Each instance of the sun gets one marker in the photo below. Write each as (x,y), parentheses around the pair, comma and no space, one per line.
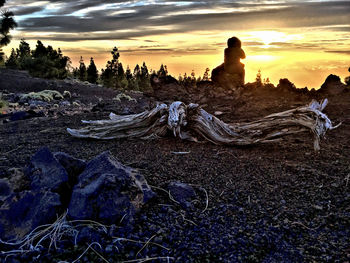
(268,36)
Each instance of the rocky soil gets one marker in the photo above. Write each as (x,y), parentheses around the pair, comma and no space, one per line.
(279,202)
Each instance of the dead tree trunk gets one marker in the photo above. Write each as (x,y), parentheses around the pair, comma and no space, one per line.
(191,122)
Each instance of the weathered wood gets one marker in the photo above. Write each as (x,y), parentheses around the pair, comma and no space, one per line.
(191,122)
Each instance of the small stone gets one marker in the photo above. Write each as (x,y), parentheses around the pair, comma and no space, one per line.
(109,249)
(182,193)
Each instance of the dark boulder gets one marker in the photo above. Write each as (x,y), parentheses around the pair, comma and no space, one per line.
(285,85)
(21,213)
(45,172)
(227,81)
(182,193)
(332,86)
(73,166)
(168,88)
(108,192)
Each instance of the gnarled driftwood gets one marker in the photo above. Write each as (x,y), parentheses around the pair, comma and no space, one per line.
(191,122)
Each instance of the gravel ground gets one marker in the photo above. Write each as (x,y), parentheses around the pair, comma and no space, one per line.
(278,202)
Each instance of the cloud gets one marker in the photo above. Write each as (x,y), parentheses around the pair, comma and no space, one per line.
(345,52)
(108,20)
(28,10)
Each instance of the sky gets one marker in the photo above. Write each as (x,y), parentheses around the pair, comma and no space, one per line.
(303,41)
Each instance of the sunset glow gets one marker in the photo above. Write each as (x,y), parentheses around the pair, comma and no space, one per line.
(302,41)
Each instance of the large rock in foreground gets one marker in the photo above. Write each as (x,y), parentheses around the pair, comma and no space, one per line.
(103,190)
(22,212)
(45,172)
(108,192)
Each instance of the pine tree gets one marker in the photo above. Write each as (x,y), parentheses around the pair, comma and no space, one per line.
(137,73)
(136,79)
(193,81)
(144,82)
(180,78)
(47,62)
(12,61)
(76,72)
(82,70)
(40,50)
(163,71)
(92,73)
(7,23)
(206,75)
(114,76)
(258,79)
(128,73)
(121,82)
(23,54)
(132,84)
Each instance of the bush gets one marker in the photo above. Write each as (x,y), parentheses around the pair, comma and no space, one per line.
(3,103)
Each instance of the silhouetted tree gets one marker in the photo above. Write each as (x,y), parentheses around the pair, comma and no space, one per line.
(82,70)
(144,81)
(44,62)
(7,23)
(40,50)
(193,80)
(92,73)
(258,79)
(163,71)
(76,72)
(184,79)
(122,82)
(12,61)
(133,83)
(114,76)
(206,74)
(180,78)
(131,79)
(266,81)
(23,54)
(128,73)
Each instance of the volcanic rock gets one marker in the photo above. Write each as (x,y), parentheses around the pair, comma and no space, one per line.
(21,213)
(73,166)
(332,85)
(23,115)
(108,191)
(46,172)
(182,193)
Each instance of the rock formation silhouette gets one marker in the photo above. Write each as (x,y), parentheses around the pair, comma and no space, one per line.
(230,74)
